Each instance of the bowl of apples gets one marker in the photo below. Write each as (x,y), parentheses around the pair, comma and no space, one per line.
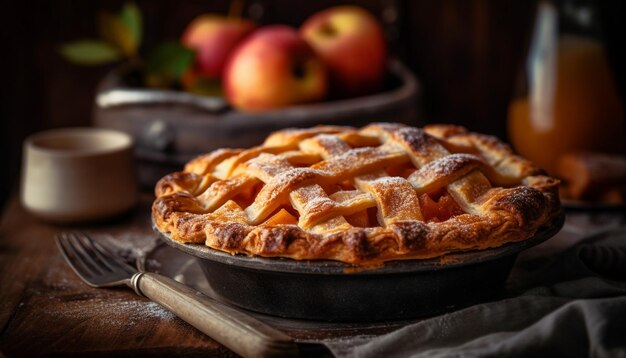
(247,81)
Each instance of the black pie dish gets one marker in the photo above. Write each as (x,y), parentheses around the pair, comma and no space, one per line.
(333,291)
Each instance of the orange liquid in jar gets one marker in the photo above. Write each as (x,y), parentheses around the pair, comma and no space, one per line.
(586,112)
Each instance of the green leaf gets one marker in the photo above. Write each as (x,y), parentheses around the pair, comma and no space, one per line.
(170,60)
(131,18)
(211,87)
(113,31)
(89,52)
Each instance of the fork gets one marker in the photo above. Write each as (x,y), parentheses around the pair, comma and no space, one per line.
(241,333)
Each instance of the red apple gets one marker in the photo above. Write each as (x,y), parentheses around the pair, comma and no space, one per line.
(274,67)
(351,43)
(214,37)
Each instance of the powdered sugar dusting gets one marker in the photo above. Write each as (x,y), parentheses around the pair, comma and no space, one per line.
(113,313)
(393,187)
(443,167)
(397,199)
(453,162)
(331,144)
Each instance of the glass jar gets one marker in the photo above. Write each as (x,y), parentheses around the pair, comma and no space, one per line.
(568,99)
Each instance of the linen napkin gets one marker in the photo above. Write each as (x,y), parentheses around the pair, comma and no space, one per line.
(569,304)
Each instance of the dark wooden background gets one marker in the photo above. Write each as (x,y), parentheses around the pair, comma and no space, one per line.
(467,55)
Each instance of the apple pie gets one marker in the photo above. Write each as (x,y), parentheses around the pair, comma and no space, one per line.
(360,196)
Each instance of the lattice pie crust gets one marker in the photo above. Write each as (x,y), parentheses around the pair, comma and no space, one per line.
(382,192)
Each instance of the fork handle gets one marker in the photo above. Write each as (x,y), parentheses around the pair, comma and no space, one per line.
(236,330)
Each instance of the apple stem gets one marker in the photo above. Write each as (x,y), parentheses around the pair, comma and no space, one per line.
(236,9)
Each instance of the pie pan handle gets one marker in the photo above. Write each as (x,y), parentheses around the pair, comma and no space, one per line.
(236,330)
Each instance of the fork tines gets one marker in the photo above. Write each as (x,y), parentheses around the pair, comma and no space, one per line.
(91,260)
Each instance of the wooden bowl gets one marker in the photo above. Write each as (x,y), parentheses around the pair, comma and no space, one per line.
(171,127)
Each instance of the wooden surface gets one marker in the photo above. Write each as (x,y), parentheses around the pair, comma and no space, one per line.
(46,310)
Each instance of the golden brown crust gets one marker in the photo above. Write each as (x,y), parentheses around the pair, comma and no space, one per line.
(326,174)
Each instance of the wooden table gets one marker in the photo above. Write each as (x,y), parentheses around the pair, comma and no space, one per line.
(46,310)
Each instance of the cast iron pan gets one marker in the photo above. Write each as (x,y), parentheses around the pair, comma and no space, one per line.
(326,291)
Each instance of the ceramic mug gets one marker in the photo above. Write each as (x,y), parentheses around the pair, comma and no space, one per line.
(78,174)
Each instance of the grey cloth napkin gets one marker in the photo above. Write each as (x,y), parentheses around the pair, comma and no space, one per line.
(568,305)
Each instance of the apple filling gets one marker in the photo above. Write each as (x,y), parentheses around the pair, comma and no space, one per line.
(364,218)
(438,206)
(400,170)
(246,197)
(282,217)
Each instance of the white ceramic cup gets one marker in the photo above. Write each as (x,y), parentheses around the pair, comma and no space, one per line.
(74,175)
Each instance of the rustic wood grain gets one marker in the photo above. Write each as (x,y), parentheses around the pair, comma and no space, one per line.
(46,310)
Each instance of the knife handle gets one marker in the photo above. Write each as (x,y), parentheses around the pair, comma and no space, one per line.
(236,330)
